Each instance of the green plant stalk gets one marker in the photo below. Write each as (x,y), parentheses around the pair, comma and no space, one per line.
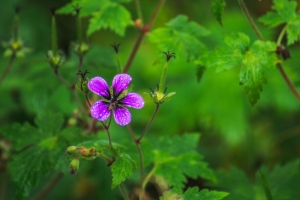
(163,78)
(62,79)
(280,37)
(9,65)
(16,28)
(259,35)
(144,30)
(54,38)
(79,32)
(147,179)
(139,10)
(123,191)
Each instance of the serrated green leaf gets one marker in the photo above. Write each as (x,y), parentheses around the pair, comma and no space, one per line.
(174,162)
(293,31)
(27,174)
(112,16)
(252,74)
(217,7)
(122,169)
(180,37)
(229,55)
(285,11)
(195,194)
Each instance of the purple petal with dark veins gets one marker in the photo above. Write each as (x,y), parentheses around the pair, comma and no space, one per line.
(133,100)
(99,110)
(122,116)
(99,86)
(121,82)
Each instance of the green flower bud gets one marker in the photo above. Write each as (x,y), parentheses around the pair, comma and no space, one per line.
(89,154)
(71,149)
(81,49)
(55,61)
(74,166)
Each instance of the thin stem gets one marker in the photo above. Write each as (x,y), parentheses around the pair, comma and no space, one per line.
(138,146)
(87,99)
(252,23)
(144,30)
(15,28)
(149,124)
(133,52)
(119,67)
(280,37)
(288,81)
(54,38)
(123,191)
(62,79)
(80,63)
(146,180)
(49,187)
(10,62)
(139,10)
(108,133)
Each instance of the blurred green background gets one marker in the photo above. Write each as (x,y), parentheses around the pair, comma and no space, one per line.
(232,132)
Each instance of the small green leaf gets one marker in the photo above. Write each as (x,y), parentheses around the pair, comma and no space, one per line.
(217,7)
(49,123)
(181,37)
(293,31)
(195,194)
(112,16)
(122,169)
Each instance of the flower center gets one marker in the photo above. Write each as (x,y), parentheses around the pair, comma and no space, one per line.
(113,105)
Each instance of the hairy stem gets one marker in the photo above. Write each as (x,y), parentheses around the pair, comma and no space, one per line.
(146,28)
(149,124)
(123,191)
(10,62)
(49,187)
(106,127)
(279,66)
(146,180)
(87,99)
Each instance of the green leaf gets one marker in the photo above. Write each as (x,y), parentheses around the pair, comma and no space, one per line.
(122,169)
(285,11)
(174,162)
(105,14)
(200,71)
(252,74)
(194,194)
(49,123)
(229,55)
(252,59)
(293,31)
(112,16)
(217,7)
(180,37)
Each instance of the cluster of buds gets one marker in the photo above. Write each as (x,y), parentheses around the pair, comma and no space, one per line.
(80,152)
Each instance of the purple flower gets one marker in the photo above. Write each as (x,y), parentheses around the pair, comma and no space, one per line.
(115,99)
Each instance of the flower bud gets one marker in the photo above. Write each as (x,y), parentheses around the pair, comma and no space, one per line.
(71,149)
(89,154)
(81,49)
(55,61)
(74,166)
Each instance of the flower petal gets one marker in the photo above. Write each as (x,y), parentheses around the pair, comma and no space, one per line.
(133,100)
(99,110)
(121,82)
(99,86)
(122,116)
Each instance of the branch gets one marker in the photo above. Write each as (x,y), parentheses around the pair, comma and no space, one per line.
(11,61)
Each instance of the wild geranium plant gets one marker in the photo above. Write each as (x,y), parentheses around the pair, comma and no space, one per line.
(57,136)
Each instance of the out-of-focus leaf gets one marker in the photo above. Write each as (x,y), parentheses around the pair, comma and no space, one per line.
(217,7)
